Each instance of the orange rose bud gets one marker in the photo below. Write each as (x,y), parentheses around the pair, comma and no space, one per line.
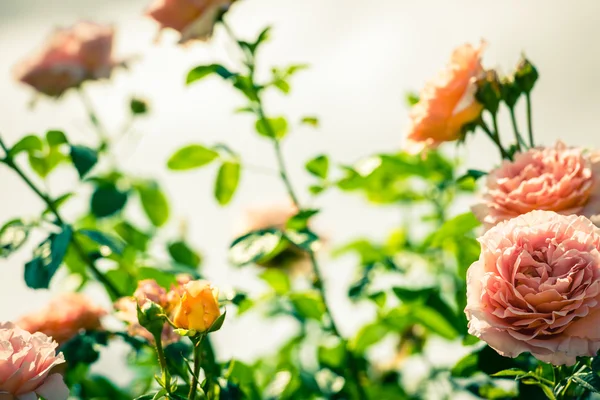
(198,308)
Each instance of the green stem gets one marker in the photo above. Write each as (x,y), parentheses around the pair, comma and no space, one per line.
(518,137)
(89,108)
(166,377)
(495,138)
(529,122)
(197,362)
(110,287)
(318,280)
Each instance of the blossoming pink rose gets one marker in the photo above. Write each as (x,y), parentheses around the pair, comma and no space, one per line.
(194,19)
(447,102)
(536,287)
(561,179)
(64,317)
(69,57)
(26,361)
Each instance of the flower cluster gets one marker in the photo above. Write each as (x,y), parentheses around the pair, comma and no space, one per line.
(190,305)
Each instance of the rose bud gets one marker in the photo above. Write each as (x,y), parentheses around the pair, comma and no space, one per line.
(489,91)
(526,75)
(198,307)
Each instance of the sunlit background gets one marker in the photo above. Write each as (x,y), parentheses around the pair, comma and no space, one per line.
(364,57)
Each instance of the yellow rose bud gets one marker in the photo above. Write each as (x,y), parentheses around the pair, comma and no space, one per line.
(198,308)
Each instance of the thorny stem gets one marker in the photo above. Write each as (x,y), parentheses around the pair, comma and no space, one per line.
(110,287)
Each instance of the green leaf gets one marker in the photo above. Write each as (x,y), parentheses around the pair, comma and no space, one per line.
(154,202)
(466,366)
(368,335)
(272,127)
(182,254)
(84,348)
(138,106)
(132,235)
(311,121)
(305,239)
(412,98)
(242,376)
(47,258)
(218,323)
(277,279)
(455,228)
(29,144)
(228,178)
(318,166)
(107,200)
(300,220)
(257,246)
(190,157)
(12,236)
(55,138)
(202,71)
(104,239)
(510,373)
(308,305)
(590,381)
(332,356)
(435,322)
(83,158)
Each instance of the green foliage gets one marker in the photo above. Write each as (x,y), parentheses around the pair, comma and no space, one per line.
(183,254)
(272,127)
(13,235)
(44,154)
(190,157)
(278,280)
(154,202)
(83,159)
(228,178)
(203,71)
(308,305)
(138,106)
(107,200)
(104,239)
(47,258)
(318,166)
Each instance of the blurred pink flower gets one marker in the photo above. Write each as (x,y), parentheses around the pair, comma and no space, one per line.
(26,361)
(561,179)
(447,102)
(69,57)
(149,290)
(536,287)
(64,317)
(193,19)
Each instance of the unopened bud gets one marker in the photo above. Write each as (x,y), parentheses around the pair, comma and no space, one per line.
(152,317)
(526,75)
(510,91)
(488,91)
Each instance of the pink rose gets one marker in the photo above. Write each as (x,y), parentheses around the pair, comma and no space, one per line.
(69,57)
(536,287)
(447,103)
(147,290)
(64,317)
(561,179)
(25,363)
(193,19)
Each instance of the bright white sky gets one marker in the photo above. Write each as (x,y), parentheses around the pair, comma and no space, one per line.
(363,58)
